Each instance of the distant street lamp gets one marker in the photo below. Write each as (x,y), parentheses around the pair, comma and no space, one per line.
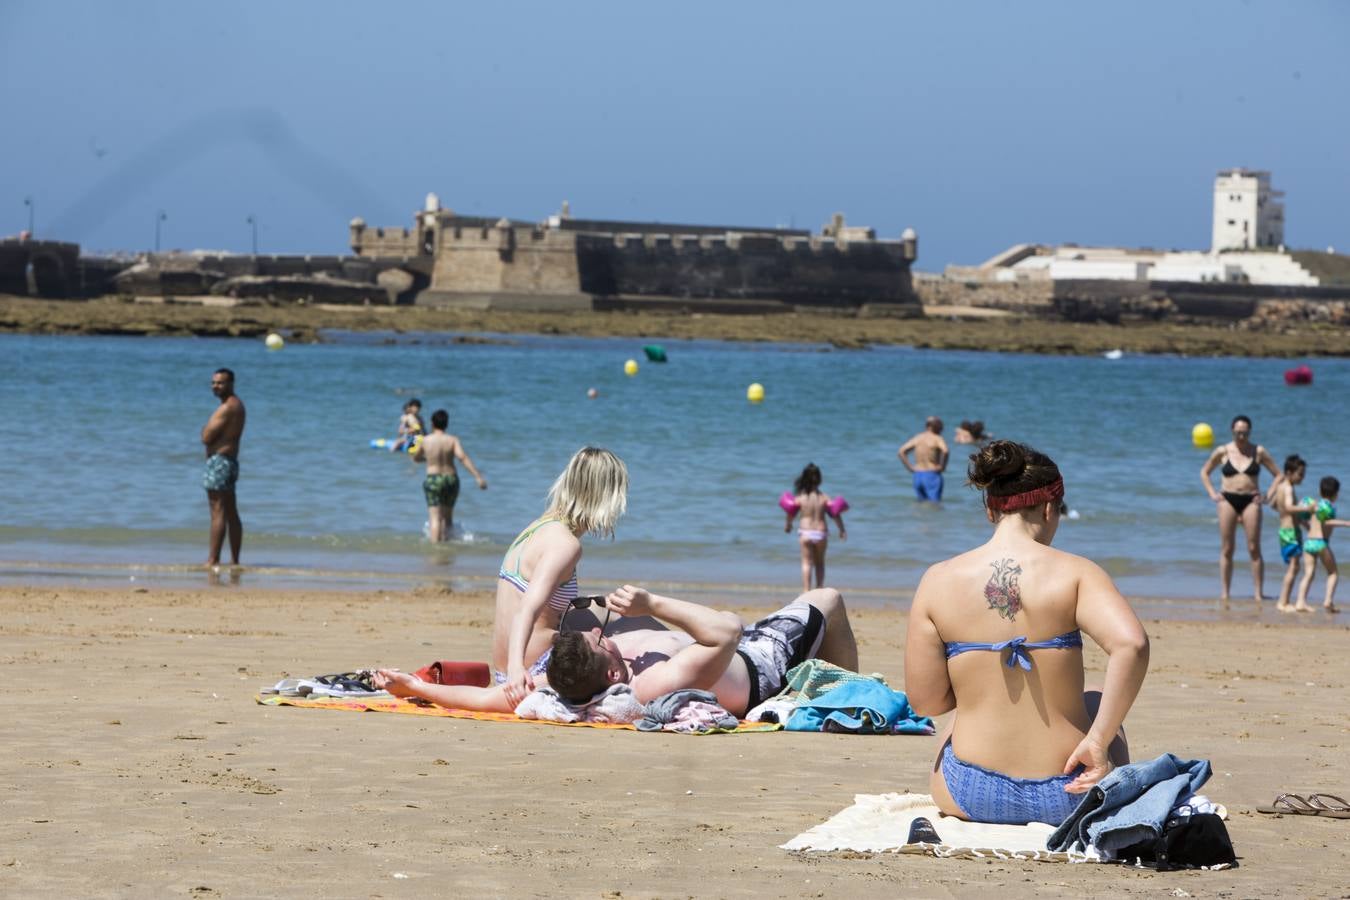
(28,202)
(159,217)
(253,221)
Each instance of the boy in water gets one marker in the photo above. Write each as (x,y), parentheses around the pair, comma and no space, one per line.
(1318,544)
(441,486)
(410,425)
(1292,516)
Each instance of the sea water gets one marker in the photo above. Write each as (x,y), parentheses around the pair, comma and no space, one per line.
(101,460)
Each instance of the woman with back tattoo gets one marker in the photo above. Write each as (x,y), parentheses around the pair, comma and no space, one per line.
(995,634)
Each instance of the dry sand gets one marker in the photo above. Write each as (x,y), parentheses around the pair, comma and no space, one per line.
(138,764)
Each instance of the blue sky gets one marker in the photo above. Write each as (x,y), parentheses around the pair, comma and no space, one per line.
(980,125)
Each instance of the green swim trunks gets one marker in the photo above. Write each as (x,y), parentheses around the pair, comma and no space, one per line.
(441,490)
(222,472)
(1291,543)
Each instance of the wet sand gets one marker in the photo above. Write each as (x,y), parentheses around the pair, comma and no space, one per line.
(138,764)
(978,331)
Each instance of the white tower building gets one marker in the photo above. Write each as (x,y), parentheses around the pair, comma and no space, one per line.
(1247,214)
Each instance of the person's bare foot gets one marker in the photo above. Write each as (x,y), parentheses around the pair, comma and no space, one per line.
(1302,607)
(1284,607)
(400,684)
(1331,608)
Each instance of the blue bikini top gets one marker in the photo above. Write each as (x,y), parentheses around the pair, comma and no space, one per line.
(1019,647)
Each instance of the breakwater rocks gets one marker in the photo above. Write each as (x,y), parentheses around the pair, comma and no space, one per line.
(1000,331)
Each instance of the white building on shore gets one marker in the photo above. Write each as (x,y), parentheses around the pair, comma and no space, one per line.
(1247,247)
(1247,215)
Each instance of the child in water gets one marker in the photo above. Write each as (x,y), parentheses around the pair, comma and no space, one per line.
(1318,544)
(1293,515)
(813,531)
(410,425)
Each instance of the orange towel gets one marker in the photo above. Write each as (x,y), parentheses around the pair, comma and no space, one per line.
(407,707)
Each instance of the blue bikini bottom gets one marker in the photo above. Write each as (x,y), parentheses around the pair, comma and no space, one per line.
(988,796)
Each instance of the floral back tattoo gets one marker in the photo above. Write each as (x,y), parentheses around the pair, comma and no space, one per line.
(1002,592)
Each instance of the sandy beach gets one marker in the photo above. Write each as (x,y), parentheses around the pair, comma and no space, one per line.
(139,764)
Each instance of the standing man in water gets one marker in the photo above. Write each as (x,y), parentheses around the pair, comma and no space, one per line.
(441,486)
(930,460)
(221,436)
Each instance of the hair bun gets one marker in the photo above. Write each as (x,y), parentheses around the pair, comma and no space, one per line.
(999,461)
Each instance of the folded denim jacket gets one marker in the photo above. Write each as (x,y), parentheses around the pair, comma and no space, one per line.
(1129,805)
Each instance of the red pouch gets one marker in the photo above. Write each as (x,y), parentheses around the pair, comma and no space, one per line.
(445,671)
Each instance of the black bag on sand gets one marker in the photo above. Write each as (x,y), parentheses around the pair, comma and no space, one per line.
(1196,840)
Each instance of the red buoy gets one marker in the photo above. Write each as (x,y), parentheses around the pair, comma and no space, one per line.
(1298,375)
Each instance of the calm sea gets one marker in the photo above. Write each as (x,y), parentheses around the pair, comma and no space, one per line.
(100,463)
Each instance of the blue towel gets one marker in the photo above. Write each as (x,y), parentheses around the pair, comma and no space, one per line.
(860,707)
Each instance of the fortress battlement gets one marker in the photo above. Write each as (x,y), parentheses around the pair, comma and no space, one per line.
(476,258)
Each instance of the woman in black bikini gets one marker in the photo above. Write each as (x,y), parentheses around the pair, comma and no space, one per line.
(1239,500)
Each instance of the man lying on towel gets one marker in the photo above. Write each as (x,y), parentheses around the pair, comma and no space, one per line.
(706,649)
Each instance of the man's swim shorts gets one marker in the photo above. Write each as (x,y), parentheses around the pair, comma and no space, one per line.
(776,643)
(441,490)
(222,472)
(928,486)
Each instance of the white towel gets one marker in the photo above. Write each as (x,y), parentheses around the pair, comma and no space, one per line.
(879,823)
(617,705)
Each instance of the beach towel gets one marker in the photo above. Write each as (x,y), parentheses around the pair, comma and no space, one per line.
(390,704)
(859,707)
(880,823)
(816,676)
(687,711)
(616,705)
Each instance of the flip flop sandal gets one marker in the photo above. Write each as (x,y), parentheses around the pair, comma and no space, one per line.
(921,831)
(1289,805)
(1330,806)
(348,681)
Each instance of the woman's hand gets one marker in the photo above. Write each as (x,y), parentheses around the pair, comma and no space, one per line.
(1096,764)
(517,686)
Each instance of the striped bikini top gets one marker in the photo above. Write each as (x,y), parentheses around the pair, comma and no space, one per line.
(562,595)
(1018,647)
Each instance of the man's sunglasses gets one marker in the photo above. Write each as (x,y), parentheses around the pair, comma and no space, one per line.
(583,603)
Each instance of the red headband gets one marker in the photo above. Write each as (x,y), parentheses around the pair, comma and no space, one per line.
(1035,497)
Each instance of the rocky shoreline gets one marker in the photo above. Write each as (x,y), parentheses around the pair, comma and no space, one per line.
(948,328)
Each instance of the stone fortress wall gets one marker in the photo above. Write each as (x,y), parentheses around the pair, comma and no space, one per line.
(575,263)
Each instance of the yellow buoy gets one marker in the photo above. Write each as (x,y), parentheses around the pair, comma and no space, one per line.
(1202,435)
(274,341)
(755,393)
(630,367)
